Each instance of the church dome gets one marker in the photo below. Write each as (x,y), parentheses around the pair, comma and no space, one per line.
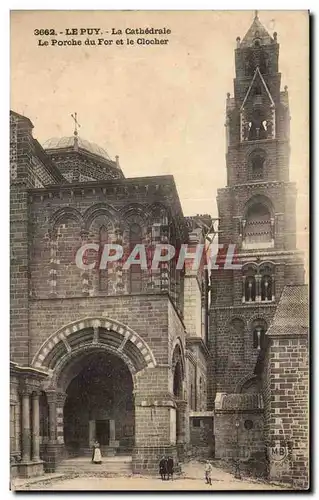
(68,142)
(82,161)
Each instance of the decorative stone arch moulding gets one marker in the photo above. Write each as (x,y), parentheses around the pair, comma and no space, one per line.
(257,317)
(134,210)
(259,197)
(266,263)
(124,334)
(65,213)
(249,264)
(243,380)
(57,378)
(258,265)
(133,216)
(96,211)
(157,208)
(257,149)
(240,318)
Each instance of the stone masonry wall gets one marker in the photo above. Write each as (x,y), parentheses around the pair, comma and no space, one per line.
(147,315)
(250,445)
(286,393)
(234,354)
(192,306)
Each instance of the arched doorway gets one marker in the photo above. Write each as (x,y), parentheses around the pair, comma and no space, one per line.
(99,405)
(94,366)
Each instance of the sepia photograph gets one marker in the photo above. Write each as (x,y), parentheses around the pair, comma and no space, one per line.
(159,250)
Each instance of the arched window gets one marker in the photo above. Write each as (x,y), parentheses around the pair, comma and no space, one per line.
(256,164)
(135,269)
(258,129)
(258,225)
(177,384)
(258,283)
(103,273)
(258,333)
(266,286)
(266,283)
(249,284)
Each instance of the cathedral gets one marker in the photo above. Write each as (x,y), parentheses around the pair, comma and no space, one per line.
(207,363)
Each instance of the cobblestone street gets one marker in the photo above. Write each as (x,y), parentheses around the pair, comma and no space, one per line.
(192,479)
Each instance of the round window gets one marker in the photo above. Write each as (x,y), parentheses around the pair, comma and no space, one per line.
(248,424)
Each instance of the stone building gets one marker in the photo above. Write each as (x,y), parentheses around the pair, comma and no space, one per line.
(150,361)
(257,212)
(283,367)
(98,353)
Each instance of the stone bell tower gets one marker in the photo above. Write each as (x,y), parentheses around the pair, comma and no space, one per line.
(257,213)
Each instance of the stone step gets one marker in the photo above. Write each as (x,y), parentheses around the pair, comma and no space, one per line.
(114,467)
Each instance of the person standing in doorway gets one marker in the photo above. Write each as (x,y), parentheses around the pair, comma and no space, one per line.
(208,472)
(96,454)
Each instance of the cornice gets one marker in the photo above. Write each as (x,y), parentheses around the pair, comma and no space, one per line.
(198,341)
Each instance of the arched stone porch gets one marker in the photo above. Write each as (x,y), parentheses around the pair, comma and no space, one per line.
(63,357)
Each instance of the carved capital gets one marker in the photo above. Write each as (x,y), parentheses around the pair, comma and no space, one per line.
(26,388)
(51,396)
(36,394)
(60,398)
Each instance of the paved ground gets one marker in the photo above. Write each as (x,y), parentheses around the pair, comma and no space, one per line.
(192,480)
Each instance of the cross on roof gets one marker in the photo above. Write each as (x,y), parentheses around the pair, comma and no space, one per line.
(76,123)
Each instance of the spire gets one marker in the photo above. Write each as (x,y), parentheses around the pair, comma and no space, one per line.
(256,35)
(75,133)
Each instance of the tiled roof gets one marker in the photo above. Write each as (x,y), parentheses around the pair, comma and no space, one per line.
(68,142)
(292,314)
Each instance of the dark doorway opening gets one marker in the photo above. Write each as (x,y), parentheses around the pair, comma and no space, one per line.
(99,405)
(102,431)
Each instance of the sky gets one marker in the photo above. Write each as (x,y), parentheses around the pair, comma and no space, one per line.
(160,108)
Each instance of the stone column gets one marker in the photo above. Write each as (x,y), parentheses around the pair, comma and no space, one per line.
(53,448)
(26,436)
(51,398)
(35,427)
(60,400)
(258,288)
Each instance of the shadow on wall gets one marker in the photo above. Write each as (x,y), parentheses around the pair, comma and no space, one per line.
(255,466)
